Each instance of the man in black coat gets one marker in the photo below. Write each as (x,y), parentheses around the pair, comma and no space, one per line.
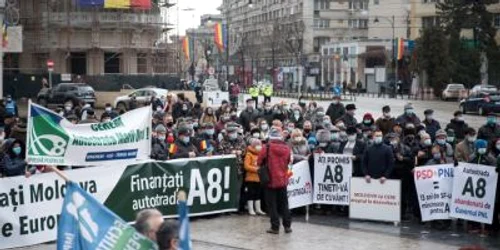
(336,109)
(458,125)
(355,147)
(348,118)
(378,160)
(248,115)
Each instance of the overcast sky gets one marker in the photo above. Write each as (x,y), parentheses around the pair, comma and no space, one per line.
(201,7)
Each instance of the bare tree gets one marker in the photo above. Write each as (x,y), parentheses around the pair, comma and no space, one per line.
(273,38)
(292,39)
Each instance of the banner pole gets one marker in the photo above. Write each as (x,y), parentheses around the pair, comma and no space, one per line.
(60,173)
(307,213)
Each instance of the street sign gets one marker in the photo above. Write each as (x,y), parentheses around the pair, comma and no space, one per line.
(50,65)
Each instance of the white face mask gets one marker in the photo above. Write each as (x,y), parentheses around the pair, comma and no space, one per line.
(471,139)
(256,135)
(258,148)
(497,146)
(108,109)
(351,138)
(481,151)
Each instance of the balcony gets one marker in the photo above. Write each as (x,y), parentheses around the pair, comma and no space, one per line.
(104,20)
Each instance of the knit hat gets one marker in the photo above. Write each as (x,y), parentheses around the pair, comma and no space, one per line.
(323,136)
(481,144)
(275,133)
(312,141)
(160,129)
(408,106)
(367,116)
(441,132)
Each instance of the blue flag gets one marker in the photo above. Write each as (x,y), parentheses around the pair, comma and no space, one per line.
(184,236)
(87,224)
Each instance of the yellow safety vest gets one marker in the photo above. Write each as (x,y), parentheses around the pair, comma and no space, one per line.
(268,91)
(254,92)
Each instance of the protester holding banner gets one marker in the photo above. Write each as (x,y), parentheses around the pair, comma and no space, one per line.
(465,149)
(183,146)
(378,160)
(159,149)
(355,148)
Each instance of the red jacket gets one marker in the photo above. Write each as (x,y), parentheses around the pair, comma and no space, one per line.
(279,159)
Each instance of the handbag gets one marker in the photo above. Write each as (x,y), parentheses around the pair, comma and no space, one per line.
(263,171)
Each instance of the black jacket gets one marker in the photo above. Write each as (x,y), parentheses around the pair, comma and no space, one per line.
(459,127)
(159,150)
(358,151)
(378,161)
(489,133)
(349,121)
(247,116)
(181,150)
(335,111)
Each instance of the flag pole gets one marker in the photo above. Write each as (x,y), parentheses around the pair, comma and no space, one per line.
(60,173)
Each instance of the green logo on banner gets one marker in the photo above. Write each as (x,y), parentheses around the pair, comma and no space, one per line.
(48,140)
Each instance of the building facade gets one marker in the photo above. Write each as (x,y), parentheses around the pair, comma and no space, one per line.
(92,41)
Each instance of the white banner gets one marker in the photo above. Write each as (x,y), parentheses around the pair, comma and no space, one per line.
(474,190)
(332,173)
(300,186)
(215,98)
(30,207)
(53,140)
(375,201)
(434,187)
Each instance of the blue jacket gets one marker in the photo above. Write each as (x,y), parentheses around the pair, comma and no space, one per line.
(432,127)
(378,161)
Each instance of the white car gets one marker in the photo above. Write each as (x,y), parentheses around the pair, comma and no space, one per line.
(454,91)
(142,97)
(480,88)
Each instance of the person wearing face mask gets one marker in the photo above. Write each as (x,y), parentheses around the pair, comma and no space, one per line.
(367,136)
(234,144)
(465,149)
(319,116)
(68,109)
(13,163)
(307,129)
(481,154)
(445,146)
(450,138)
(368,122)
(264,129)
(378,160)
(311,111)
(205,140)
(336,109)
(84,111)
(159,149)
(183,146)
(325,143)
(490,130)
(348,118)
(297,117)
(300,148)
(424,153)
(168,122)
(458,125)
(408,116)
(248,115)
(431,125)
(267,113)
(109,110)
(355,148)
(253,190)
(386,122)
(11,107)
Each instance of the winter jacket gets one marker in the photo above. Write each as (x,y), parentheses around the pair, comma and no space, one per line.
(277,161)
(298,122)
(335,111)
(483,160)
(181,150)
(227,146)
(405,119)
(11,164)
(248,116)
(206,145)
(113,114)
(267,115)
(385,124)
(427,150)
(18,132)
(464,151)
(378,161)
(431,127)
(489,133)
(208,118)
(358,151)
(159,150)
(349,121)
(300,151)
(458,127)
(250,165)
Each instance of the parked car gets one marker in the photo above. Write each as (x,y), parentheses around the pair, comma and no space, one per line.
(483,88)
(481,103)
(65,92)
(142,96)
(454,91)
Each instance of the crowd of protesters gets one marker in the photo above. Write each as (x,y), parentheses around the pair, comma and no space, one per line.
(281,134)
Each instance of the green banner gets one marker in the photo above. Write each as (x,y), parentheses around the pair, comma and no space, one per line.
(211,185)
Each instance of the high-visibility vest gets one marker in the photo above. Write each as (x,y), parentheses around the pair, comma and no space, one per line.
(268,91)
(254,92)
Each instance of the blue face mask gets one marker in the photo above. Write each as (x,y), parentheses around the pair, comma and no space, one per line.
(185,139)
(210,131)
(491,120)
(161,137)
(16,150)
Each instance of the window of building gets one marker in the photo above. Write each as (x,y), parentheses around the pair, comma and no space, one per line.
(321,4)
(431,1)
(496,21)
(430,21)
(358,23)
(321,23)
(142,63)
(358,4)
(78,63)
(112,63)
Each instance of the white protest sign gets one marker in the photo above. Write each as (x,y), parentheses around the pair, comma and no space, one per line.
(474,190)
(332,173)
(215,98)
(434,187)
(54,140)
(300,186)
(375,201)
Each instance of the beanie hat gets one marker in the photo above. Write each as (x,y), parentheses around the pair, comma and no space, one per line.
(323,136)
(275,133)
(367,116)
(441,132)
(160,129)
(312,140)
(408,106)
(481,144)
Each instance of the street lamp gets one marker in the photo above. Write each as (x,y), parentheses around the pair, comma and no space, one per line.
(394,59)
